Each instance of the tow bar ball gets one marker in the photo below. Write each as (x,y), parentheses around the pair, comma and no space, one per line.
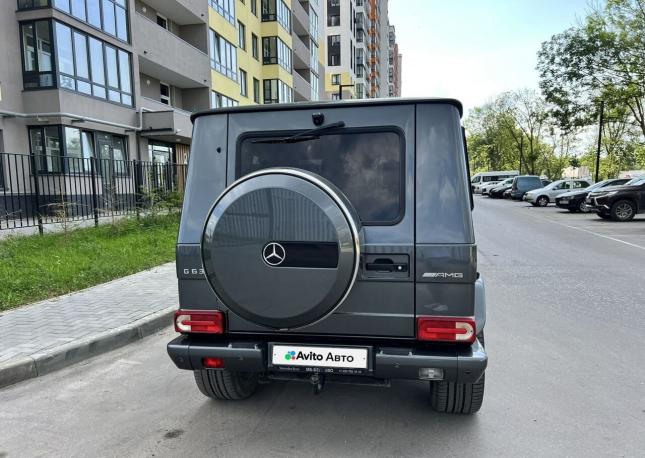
(318,382)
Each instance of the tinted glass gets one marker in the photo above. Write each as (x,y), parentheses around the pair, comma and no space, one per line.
(366,166)
(109,17)
(64,44)
(110,59)
(94,13)
(96,60)
(80,51)
(528,182)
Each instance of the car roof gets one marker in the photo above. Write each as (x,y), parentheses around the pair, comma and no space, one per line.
(331,104)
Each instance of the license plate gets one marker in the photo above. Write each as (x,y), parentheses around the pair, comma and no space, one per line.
(328,357)
(564,201)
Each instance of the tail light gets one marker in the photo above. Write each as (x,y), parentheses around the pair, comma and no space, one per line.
(196,321)
(446,329)
(213,363)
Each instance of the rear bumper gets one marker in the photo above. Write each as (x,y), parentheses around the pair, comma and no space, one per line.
(462,365)
(572,204)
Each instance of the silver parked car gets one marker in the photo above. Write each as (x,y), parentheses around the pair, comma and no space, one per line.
(543,196)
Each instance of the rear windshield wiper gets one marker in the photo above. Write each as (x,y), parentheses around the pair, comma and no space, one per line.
(303,136)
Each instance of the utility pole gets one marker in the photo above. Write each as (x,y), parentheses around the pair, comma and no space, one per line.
(600,123)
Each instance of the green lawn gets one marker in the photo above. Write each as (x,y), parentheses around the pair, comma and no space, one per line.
(38,267)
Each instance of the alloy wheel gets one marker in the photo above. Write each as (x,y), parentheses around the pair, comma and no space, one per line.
(624,211)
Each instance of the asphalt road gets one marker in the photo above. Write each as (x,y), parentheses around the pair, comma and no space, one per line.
(566,313)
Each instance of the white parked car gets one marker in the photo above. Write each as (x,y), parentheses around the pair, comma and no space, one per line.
(543,196)
(482,178)
(485,188)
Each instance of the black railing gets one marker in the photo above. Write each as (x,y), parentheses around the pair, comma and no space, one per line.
(38,190)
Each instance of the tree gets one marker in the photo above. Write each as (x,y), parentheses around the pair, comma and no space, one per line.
(602,59)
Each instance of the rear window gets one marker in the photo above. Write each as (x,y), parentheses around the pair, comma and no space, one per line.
(528,181)
(367,166)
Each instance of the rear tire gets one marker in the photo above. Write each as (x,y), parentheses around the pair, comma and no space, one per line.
(542,201)
(463,398)
(582,207)
(226,385)
(623,210)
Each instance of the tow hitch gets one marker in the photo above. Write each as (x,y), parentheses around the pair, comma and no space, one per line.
(318,382)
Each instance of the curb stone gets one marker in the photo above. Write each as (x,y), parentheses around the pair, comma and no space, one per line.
(55,358)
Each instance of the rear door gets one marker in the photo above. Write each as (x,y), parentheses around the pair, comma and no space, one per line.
(371,160)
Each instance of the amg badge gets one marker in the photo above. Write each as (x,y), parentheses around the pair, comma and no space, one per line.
(443,275)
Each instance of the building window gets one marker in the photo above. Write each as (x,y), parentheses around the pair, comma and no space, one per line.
(254,46)
(256,90)
(275,51)
(164,93)
(334,40)
(335,96)
(334,60)
(313,56)
(335,79)
(45,143)
(315,87)
(221,101)
(243,84)
(162,21)
(241,35)
(277,10)
(37,55)
(106,74)
(226,8)
(254,7)
(111,16)
(313,24)
(160,152)
(277,91)
(333,20)
(29,4)
(64,149)
(223,55)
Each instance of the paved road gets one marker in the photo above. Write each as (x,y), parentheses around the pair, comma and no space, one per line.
(566,374)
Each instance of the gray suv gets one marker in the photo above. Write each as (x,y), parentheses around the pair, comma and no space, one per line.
(331,242)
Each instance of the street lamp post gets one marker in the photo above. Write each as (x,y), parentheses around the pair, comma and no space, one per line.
(340,90)
(600,123)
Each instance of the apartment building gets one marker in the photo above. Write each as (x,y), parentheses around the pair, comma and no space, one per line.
(357,34)
(117,80)
(395,60)
(265,51)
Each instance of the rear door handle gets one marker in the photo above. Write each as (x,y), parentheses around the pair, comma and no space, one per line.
(386,265)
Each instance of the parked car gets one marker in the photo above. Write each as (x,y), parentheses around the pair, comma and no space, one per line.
(575,201)
(541,197)
(523,184)
(498,190)
(486,188)
(292,266)
(483,178)
(619,203)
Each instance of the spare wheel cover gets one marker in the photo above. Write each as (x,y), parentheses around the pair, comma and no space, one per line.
(281,247)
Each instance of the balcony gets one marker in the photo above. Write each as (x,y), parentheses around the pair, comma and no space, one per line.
(301,88)
(301,54)
(168,57)
(300,18)
(181,11)
(160,120)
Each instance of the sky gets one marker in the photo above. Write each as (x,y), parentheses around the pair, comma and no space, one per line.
(474,49)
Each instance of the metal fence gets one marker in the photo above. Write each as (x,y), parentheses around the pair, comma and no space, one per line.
(38,190)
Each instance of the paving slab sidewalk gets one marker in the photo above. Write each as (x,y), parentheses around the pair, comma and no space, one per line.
(48,335)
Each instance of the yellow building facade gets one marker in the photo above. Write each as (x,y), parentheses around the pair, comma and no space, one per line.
(250,48)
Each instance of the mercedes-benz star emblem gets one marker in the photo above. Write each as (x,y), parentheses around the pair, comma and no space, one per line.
(273,254)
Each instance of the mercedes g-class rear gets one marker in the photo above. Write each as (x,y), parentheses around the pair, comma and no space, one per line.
(331,241)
